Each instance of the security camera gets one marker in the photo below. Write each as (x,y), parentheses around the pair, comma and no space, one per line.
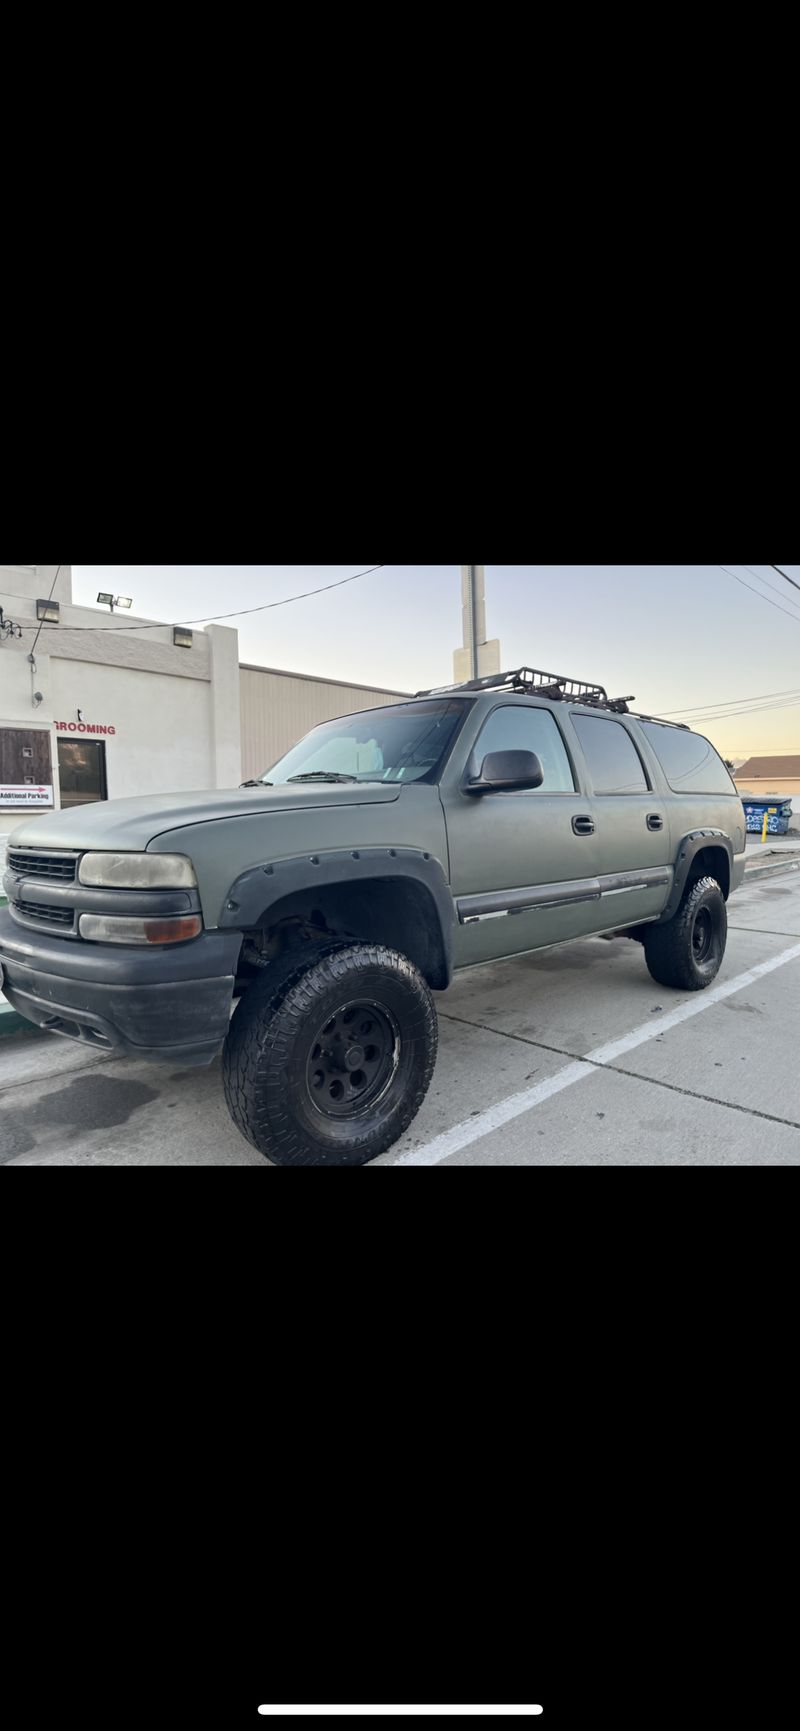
(38,697)
(80,714)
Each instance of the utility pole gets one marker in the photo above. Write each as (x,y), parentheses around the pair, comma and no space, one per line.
(477,658)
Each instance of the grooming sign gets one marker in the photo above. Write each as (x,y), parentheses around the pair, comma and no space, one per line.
(82,727)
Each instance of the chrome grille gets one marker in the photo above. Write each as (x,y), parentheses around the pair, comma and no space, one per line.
(53,867)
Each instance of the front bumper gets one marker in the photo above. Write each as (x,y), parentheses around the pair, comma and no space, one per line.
(171,1003)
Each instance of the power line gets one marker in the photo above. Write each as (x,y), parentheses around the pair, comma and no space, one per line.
(239,613)
(697,708)
(759,592)
(772,586)
(749,709)
(788,578)
(732,714)
(50,597)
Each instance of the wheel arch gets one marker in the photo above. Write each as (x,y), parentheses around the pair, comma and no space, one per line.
(701,853)
(395,896)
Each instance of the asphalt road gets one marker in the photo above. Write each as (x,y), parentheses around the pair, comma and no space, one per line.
(570,1057)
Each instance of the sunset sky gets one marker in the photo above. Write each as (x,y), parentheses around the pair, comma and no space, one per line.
(694,639)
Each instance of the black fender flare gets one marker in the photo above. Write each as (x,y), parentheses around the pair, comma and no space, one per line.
(255,891)
(690,846)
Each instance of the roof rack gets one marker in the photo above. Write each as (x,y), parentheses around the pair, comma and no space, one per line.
(683,725)
(554,686)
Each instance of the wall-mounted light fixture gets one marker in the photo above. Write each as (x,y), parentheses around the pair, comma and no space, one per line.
(48,612)
(113,601)
(182,638)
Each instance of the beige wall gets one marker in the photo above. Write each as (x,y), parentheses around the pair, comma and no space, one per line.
(787,784)
(279,708)
(175,712)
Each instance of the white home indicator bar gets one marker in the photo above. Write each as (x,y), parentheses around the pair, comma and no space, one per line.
(485,1712)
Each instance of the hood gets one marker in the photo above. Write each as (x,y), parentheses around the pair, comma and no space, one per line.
(135,823)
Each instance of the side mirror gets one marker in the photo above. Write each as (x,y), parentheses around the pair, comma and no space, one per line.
(507,772)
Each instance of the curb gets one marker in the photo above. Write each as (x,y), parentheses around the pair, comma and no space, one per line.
(769,871)
(11,1022)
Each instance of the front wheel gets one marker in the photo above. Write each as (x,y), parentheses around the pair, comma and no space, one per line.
(330,1068)
(687,951)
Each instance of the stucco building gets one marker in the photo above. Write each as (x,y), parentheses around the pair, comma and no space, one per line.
(113,705)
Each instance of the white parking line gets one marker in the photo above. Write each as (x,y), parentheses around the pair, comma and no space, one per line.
(452,1141)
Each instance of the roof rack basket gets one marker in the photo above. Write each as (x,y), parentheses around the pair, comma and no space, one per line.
(554,686)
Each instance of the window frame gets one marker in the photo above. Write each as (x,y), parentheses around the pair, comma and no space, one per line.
(102,758)
(613,721)
(534,792)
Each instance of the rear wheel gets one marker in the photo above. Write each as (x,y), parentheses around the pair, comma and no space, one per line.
(687,951)
(328,1063)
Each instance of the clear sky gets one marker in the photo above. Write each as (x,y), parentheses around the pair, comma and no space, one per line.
(676,636)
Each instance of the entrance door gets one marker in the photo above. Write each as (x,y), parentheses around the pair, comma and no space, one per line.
(82,771)
(539,842)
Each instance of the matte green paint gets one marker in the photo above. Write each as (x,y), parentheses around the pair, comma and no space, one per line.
(489,843)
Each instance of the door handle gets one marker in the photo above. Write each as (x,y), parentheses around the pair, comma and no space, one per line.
(583,826)
(655,820)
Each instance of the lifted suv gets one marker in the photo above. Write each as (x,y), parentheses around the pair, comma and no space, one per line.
(331,897)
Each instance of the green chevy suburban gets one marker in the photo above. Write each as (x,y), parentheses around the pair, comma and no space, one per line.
(300,924)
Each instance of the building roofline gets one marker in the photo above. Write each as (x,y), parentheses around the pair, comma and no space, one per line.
(321,679)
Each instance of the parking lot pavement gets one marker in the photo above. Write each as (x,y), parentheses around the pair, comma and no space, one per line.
(573,1056)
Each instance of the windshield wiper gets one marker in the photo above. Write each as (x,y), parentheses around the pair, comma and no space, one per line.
(323,775)
(255,784)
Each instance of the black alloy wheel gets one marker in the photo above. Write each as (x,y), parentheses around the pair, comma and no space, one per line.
(352,1059)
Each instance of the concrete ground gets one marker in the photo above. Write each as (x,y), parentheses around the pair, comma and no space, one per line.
(570,1057)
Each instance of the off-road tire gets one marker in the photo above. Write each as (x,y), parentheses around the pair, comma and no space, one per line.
(268,1053)
(687,951)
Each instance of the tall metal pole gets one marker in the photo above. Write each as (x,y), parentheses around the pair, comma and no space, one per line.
(476,657)
(473,608)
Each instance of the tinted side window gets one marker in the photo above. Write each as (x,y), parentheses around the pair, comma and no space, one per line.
(615,764)
(519,728)
(690,763)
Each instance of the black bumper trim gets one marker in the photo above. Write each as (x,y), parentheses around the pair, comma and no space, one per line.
(171,1004)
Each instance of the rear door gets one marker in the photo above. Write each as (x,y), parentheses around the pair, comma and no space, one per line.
(632,835)
(540,842)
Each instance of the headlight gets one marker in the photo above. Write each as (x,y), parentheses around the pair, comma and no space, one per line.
(113,929)
(137,871)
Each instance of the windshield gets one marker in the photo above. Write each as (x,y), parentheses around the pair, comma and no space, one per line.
(403,742)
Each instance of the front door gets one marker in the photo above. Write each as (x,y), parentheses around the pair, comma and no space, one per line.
(82,771)
(540,841)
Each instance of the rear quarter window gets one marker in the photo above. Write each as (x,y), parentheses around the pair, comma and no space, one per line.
(689,762)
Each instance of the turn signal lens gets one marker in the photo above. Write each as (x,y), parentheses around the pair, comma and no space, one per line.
(111,929)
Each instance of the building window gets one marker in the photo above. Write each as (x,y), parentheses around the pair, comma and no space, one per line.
(82,771)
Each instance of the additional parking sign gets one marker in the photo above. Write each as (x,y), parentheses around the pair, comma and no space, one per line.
(25,795)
